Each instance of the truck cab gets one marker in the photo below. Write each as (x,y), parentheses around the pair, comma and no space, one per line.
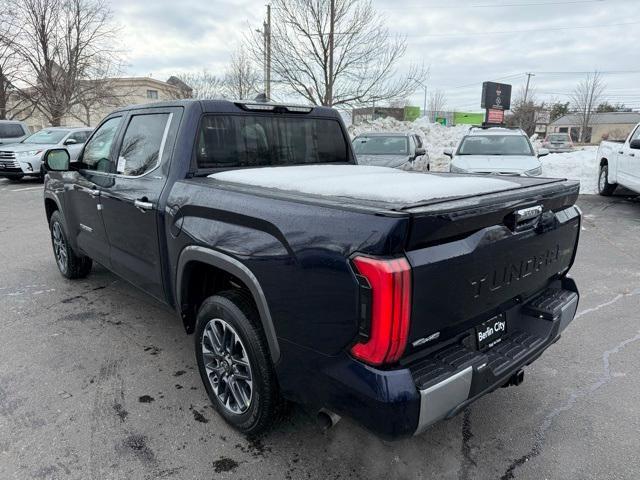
(620,164)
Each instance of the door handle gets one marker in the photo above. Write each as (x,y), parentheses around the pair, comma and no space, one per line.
(621,152)
(143,205)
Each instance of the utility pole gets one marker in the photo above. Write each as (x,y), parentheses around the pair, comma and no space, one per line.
(526,90)
(267,54)
(332,23)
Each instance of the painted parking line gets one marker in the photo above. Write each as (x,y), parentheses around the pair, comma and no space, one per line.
(24,189)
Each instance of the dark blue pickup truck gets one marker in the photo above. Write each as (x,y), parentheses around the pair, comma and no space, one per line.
(391,297)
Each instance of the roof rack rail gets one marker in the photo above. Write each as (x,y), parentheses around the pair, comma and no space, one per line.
(486,127)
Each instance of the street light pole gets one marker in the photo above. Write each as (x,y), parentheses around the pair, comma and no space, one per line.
(424,107)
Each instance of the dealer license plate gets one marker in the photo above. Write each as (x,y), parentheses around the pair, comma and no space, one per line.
(490,333)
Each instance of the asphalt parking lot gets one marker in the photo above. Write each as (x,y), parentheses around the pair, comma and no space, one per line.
(97,381)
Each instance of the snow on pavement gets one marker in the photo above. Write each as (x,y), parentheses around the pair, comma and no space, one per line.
(364,182)
(577,165)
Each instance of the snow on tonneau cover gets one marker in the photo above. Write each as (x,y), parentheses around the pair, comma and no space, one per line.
(365,182)
(464,227)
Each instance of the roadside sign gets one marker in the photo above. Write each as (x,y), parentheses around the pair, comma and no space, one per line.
(543,117)
(441,121)
(496,96)
(495,117)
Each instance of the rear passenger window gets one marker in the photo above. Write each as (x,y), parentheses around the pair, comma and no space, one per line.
(11,130)
(142,144)
(80,137)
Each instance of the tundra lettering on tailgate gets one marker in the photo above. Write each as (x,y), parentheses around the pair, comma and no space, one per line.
(514,271)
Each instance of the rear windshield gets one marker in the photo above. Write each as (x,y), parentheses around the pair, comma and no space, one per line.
(227,141)
(564,137)
(495,145)
(44,137)
(11,130)
(380,145)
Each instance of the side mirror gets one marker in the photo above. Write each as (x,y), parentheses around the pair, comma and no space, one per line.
(420,151)
(70,141)
(448,152)
(543,152)
(57,160)
(635,144)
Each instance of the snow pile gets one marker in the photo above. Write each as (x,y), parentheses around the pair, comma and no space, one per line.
(435,137)
(577,165)
(364,182)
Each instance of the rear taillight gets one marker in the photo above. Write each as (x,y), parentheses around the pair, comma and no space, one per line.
(387,316)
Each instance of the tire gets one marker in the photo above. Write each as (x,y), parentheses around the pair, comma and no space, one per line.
(71,265)
(605,188)
(235,310)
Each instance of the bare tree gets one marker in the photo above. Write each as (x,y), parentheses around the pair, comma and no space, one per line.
(242,80)
(96,95)
(203,84)
(399,103)
(9,64)
(335,52)
(437,102)
(62,46)
(585,99)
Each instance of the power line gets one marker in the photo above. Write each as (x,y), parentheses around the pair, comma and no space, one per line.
(515,75)
(477,84)
(505,32)
(494,5)
(602,72)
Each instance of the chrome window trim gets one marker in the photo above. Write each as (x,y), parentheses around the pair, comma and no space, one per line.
(160,152)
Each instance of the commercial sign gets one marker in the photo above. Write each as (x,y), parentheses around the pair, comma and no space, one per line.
(495,117)
(496,96)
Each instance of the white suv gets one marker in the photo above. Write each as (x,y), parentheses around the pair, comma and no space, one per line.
(496,150)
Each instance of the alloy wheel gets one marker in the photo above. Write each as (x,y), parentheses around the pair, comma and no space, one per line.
(59,247)
(227,366)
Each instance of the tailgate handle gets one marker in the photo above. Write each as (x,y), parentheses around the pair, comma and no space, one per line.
(525,219)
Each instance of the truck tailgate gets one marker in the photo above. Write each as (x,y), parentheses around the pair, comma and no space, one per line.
(470,265)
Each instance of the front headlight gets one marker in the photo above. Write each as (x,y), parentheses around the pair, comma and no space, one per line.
(454,169)
(30,153)
(534,172)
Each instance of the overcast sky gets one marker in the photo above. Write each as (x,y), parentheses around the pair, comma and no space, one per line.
(463,41)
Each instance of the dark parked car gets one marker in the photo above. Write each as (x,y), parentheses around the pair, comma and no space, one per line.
(395,298)
(395,150)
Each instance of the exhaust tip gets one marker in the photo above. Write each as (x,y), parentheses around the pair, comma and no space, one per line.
(327,419)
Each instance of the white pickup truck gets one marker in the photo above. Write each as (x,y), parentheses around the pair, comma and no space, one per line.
(620,164)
